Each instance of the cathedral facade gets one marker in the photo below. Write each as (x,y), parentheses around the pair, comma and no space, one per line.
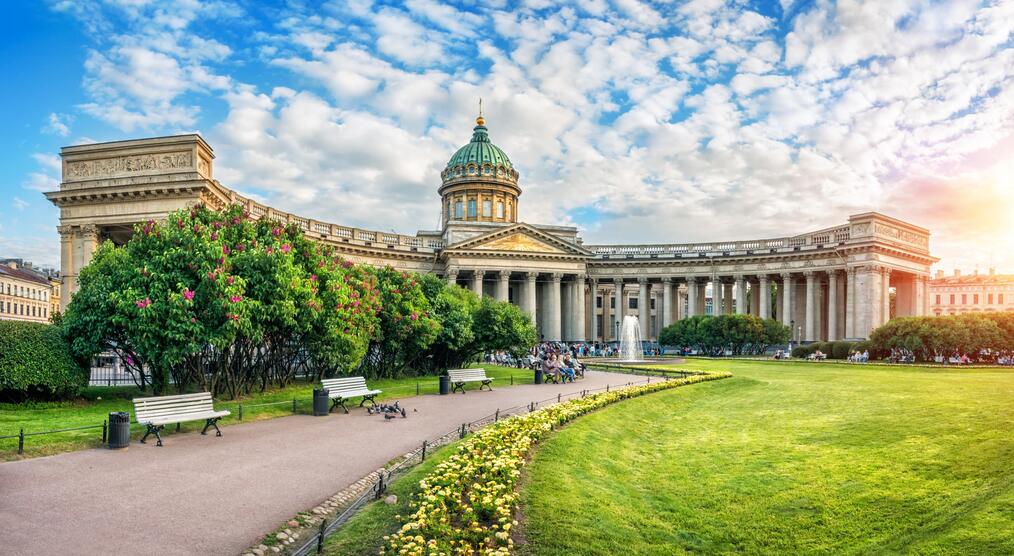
(828,284)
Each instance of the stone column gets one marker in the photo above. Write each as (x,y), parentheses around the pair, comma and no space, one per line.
(850,303)
(577,290)
(691,297)
(840,310)
(740,295)
(786,299)
(503,284)
(451,276)
(764,294)
(886,296)
(810,331)
(477,282)
(727,299)
(643,307)
(666,301)
(67,270)
(702,298)
(832,305)
(717,304)
(593,287)
(530,296)
(754,293)
(553,329)
(620,309)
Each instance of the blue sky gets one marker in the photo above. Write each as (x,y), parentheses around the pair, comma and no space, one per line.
(637,121)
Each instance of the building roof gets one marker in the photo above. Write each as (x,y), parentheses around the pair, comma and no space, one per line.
(24,274)
(973,279)
(480,150)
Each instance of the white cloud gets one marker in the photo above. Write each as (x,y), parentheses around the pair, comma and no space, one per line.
(19,204)
(57,124)
(671,121)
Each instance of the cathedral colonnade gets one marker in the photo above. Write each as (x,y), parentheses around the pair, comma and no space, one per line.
(835,283)
(818,305)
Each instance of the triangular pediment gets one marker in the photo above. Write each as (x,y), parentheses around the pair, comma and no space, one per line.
(520,238)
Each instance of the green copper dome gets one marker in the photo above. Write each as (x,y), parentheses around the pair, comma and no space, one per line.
(480,150)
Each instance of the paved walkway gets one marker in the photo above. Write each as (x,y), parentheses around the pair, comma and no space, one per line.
(208,495)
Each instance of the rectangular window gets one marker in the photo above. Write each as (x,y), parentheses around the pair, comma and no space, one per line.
(964,299)
(975,299)
(487,208)
(499,209)
(989,299)
(999,298)
(938,299)
(598,301)
(612,302)
(459,210)
(598,323)
(653,303)
(952,299)
(632,303)
(472,208)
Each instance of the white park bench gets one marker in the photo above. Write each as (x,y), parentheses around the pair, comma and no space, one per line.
(342,389)
(460,376)
(157,412)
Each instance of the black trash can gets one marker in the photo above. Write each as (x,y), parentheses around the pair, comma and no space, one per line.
(119,430)
(445,385)
(539,376)
(320,402)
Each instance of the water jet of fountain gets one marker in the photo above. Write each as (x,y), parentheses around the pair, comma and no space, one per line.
(630,340)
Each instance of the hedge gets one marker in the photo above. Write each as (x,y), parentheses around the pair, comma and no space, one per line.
(833,350)
(36,363)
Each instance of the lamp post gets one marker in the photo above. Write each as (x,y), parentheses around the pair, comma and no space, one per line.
(792,333)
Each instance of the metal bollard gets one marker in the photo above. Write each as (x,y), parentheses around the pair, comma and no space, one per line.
(293,406)
(320,536)
(240,412)
(497,416)
(512,380)
(104,425)
(21,442)
(558,395)
(417,388)
(424,451)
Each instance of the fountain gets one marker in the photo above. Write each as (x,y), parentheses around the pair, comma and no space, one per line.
(630,340)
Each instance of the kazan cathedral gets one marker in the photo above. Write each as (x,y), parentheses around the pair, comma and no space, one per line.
(828,284)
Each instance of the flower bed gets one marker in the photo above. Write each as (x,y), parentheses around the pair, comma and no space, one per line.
(466,505)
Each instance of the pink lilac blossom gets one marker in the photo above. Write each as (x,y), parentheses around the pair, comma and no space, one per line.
(188,295)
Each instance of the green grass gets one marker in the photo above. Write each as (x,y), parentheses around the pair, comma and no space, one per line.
(95,404)
(785,458)
(364,532)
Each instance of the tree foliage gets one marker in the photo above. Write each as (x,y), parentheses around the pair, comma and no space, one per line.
(217,301)
(972,334)
(713,335)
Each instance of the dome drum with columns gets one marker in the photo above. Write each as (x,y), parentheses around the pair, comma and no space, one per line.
(479,183)
(829,284)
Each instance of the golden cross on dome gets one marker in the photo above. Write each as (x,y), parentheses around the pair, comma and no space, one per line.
(480,120)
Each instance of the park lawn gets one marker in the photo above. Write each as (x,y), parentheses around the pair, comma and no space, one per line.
(785,458)
(96,402)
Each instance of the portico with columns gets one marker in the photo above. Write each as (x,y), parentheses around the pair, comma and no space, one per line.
(829,284)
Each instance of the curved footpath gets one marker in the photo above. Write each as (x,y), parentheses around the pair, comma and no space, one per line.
(208,495)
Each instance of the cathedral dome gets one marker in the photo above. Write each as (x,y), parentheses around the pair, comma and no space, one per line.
(479,182)
(480,150)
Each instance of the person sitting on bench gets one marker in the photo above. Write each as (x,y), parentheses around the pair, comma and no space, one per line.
(567,369)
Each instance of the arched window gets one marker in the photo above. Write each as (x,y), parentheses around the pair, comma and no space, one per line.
(499,209)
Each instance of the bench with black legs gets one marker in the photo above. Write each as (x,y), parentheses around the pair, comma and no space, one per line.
(342,389)
(461,376)
(155,413)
